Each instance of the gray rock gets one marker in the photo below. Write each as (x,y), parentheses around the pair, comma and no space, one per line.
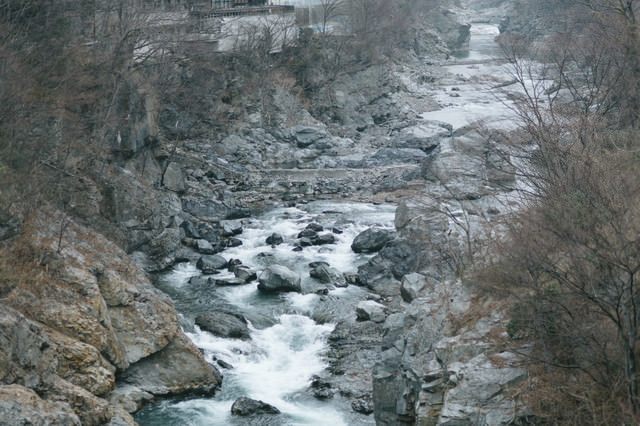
(371,240)
(233,242)
(206,209)
(173,178)
(368,310)
(395,395)
(322,239)
(187,254)
(277,278)
(22,406)
(228,282)
(162,246)
(232,264)
(362,406)
(129,397)
(402,256)
(211,264)
(224,364)
(251,407)
(190,230)
(203,246)
(389,156)
(224,324)
(321,388)
(120,417)
(231,227)
(305,242)
(479,396)
(26,353)
(209,233)
(327,274)
(425,137)
(157,374)
(316,227)
(412,285)
(307,233)
(202,281)
(305,136)
(274,239)
(245,274)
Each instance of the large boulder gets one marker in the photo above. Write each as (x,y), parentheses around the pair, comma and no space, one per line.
(224,324)
(211,264)
(371,240)
(97,296)
(86,311)
(305,136)
(245,274)
(480,394)
(412,286)
(251,407)
(322,239)
(274,239)
(173,178)
(326,274)
(176,369)
(231,227)
(369,310)
(203,246)
(65,373)
(277,278)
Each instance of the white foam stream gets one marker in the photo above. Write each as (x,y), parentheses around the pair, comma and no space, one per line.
(276,365)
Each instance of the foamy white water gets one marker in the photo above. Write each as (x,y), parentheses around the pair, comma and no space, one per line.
(277,364)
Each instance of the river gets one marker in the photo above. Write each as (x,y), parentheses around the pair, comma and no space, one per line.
(289,331)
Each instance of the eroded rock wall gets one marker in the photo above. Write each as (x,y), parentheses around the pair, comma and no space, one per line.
(82,315)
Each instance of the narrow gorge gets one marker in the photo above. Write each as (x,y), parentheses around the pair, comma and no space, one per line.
(268,244)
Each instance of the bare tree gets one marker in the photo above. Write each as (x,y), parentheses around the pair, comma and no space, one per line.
(330,9)
(572,257)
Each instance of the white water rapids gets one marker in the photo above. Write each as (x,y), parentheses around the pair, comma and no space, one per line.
(277,364)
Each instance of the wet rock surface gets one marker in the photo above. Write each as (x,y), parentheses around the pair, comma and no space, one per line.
(224,324)
(250,407)
(371,240)
(277,278)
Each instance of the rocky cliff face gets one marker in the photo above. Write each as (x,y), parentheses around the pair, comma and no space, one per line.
(83,315)
(538,19)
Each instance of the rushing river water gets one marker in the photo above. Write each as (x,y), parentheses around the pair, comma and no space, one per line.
(288,346)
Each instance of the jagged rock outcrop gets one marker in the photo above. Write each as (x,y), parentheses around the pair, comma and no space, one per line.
(176,369)
(85,313)
(21,405)
(433,368)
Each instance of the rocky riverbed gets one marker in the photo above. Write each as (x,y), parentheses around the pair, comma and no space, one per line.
(88,339)
(416,344)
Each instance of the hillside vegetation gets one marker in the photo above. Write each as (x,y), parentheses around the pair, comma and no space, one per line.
(571,259)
